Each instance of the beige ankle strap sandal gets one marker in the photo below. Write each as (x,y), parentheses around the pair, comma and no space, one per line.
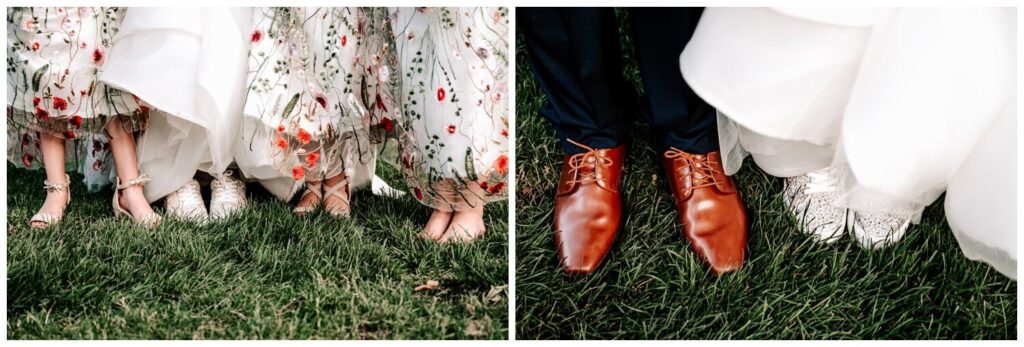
(149,221)
(340,191)
(45,219)
(311,188)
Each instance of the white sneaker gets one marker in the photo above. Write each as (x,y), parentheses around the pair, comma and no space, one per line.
(811,199)
(228,195)
(876,231)
(187,203)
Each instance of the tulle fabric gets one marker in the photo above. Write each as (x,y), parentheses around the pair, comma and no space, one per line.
(902,102)
(454,101)
(317,81)
(190,65)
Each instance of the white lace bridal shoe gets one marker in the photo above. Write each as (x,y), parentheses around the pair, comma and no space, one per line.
(228,195)
(186,203)
(811,198)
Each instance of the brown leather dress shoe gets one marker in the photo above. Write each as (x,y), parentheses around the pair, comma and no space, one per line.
(710,208)
(588,207)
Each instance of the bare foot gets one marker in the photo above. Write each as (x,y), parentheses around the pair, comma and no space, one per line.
(54,205)
(436,226)
(131,199)
(466,226)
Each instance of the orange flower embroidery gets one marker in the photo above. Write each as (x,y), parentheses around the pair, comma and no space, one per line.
(451,128)
(304,136)
(298,173)
(501,164)
(280,128)
(311,158)
(280,143)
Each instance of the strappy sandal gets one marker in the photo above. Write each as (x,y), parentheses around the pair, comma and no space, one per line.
(311,188)
(149,221)
(45,218)
(341,192)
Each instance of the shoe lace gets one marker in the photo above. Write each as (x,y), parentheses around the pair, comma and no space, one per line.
(822,181)
(591,159)
(702,173)
(189,195)
(228,187)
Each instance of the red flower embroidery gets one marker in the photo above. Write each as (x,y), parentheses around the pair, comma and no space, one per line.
(281,143)
(419,193)
(451,128)
(496,188)
(256,36)
(322,100)
(69,134)
(344,40)
(483,185)
(82,92)
(312,158)
(27,159)
(298,173)
(35,46)
(35,101)
(501,164)
(76,120)
(304,136)
(83,45)
(380,103)
(504,132)
(440,94)
(280,128)
(59,103)
(97,56)
(387,124)
(41,113)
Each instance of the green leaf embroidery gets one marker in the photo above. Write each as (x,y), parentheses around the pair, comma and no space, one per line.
(38,76)
(291,105)
(470,173)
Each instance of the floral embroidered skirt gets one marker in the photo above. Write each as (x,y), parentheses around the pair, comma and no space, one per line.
(54,58)
(454,100)
(318,79)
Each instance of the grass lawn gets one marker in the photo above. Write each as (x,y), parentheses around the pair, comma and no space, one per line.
(652,286)
(261,275)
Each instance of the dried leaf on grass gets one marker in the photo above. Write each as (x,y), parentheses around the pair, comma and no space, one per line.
(430,285)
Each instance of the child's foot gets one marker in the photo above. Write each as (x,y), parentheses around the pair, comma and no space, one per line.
(466,226)
(436,225)
(58,194)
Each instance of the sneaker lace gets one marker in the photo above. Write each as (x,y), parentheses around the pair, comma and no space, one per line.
(189,195)
(228,188)
(822,181)
(591,159)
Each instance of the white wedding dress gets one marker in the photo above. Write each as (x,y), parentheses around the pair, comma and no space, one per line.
(190,65)
(911,102)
